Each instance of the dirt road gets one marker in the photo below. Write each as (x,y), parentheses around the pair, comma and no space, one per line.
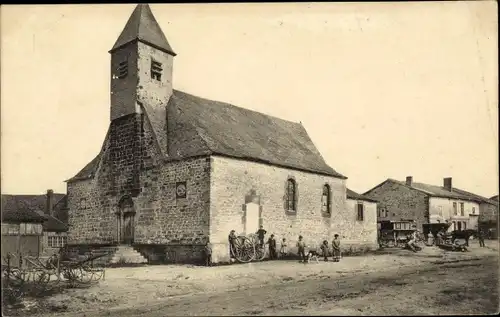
(464,287)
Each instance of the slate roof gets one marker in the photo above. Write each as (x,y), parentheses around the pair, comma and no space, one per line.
(214,127)
(202,127)
(494,198)
(142,26)
(18,209)
(478,197)
(355,196)
(439,191)
(52,224)
(199,127)
(30,208)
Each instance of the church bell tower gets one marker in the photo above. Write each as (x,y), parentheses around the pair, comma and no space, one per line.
(141,66)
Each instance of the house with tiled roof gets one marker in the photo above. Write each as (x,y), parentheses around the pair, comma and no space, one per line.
(34,224)
(176,170)
(425,203)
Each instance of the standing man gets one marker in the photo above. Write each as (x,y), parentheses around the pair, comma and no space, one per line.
(232,244)
(301,245)
(480,237)
(272,247)
(261,233)
(336,248)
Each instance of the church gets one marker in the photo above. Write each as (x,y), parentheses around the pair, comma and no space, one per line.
(176,170)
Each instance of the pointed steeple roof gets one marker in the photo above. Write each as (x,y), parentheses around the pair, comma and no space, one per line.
(142,26)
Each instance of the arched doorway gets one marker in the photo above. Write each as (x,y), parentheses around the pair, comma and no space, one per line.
(125,220)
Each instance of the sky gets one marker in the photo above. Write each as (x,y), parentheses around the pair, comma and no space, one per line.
(385,90)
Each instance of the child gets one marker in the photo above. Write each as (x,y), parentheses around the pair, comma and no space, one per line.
(301,245)
(283,249)
(272,247)
(208,254)
(261,233)
(324,250)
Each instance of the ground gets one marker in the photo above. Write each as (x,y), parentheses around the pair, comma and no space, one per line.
(386,283)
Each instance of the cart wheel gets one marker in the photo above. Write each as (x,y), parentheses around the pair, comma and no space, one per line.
(245,250)
(72,276)
(260,252)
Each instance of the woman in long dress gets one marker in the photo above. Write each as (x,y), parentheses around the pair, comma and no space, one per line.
(336,248)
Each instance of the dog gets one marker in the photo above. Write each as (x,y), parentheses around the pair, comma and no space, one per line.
(312,255)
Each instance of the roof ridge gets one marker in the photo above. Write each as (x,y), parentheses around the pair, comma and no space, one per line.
(239,107)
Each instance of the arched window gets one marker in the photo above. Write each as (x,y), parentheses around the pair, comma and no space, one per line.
(291,195)
(325,199)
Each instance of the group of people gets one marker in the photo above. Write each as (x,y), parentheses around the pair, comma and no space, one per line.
(325,250)
(283,251)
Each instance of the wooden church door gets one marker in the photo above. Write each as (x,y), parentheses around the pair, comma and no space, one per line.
(126,222)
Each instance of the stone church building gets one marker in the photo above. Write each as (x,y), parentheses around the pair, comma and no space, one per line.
(176,170)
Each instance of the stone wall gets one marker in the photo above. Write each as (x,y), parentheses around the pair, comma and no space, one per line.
(123,90)
(131,165)
(401,203)
(163,219)
(232,181)
(488,212)
(160,217)
(360,232)
(92,202)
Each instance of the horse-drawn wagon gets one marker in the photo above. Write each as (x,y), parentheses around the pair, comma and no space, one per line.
(20,273)
(456,240)
(396,233)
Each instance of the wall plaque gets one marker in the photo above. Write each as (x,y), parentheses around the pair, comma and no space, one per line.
(180,190)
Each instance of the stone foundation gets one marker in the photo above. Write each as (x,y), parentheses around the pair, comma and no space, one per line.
(169,254)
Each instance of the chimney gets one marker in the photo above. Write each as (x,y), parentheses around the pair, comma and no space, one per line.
(50,202)
(447,183)
(409,180)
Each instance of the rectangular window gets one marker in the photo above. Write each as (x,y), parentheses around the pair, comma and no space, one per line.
(455,211)
(123,69)
(361,211)
(57,241)
(22,228)
(30,228)
(10,228)
(473,210)
(461,209)
(156,70)
(465,225)
(440,211)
